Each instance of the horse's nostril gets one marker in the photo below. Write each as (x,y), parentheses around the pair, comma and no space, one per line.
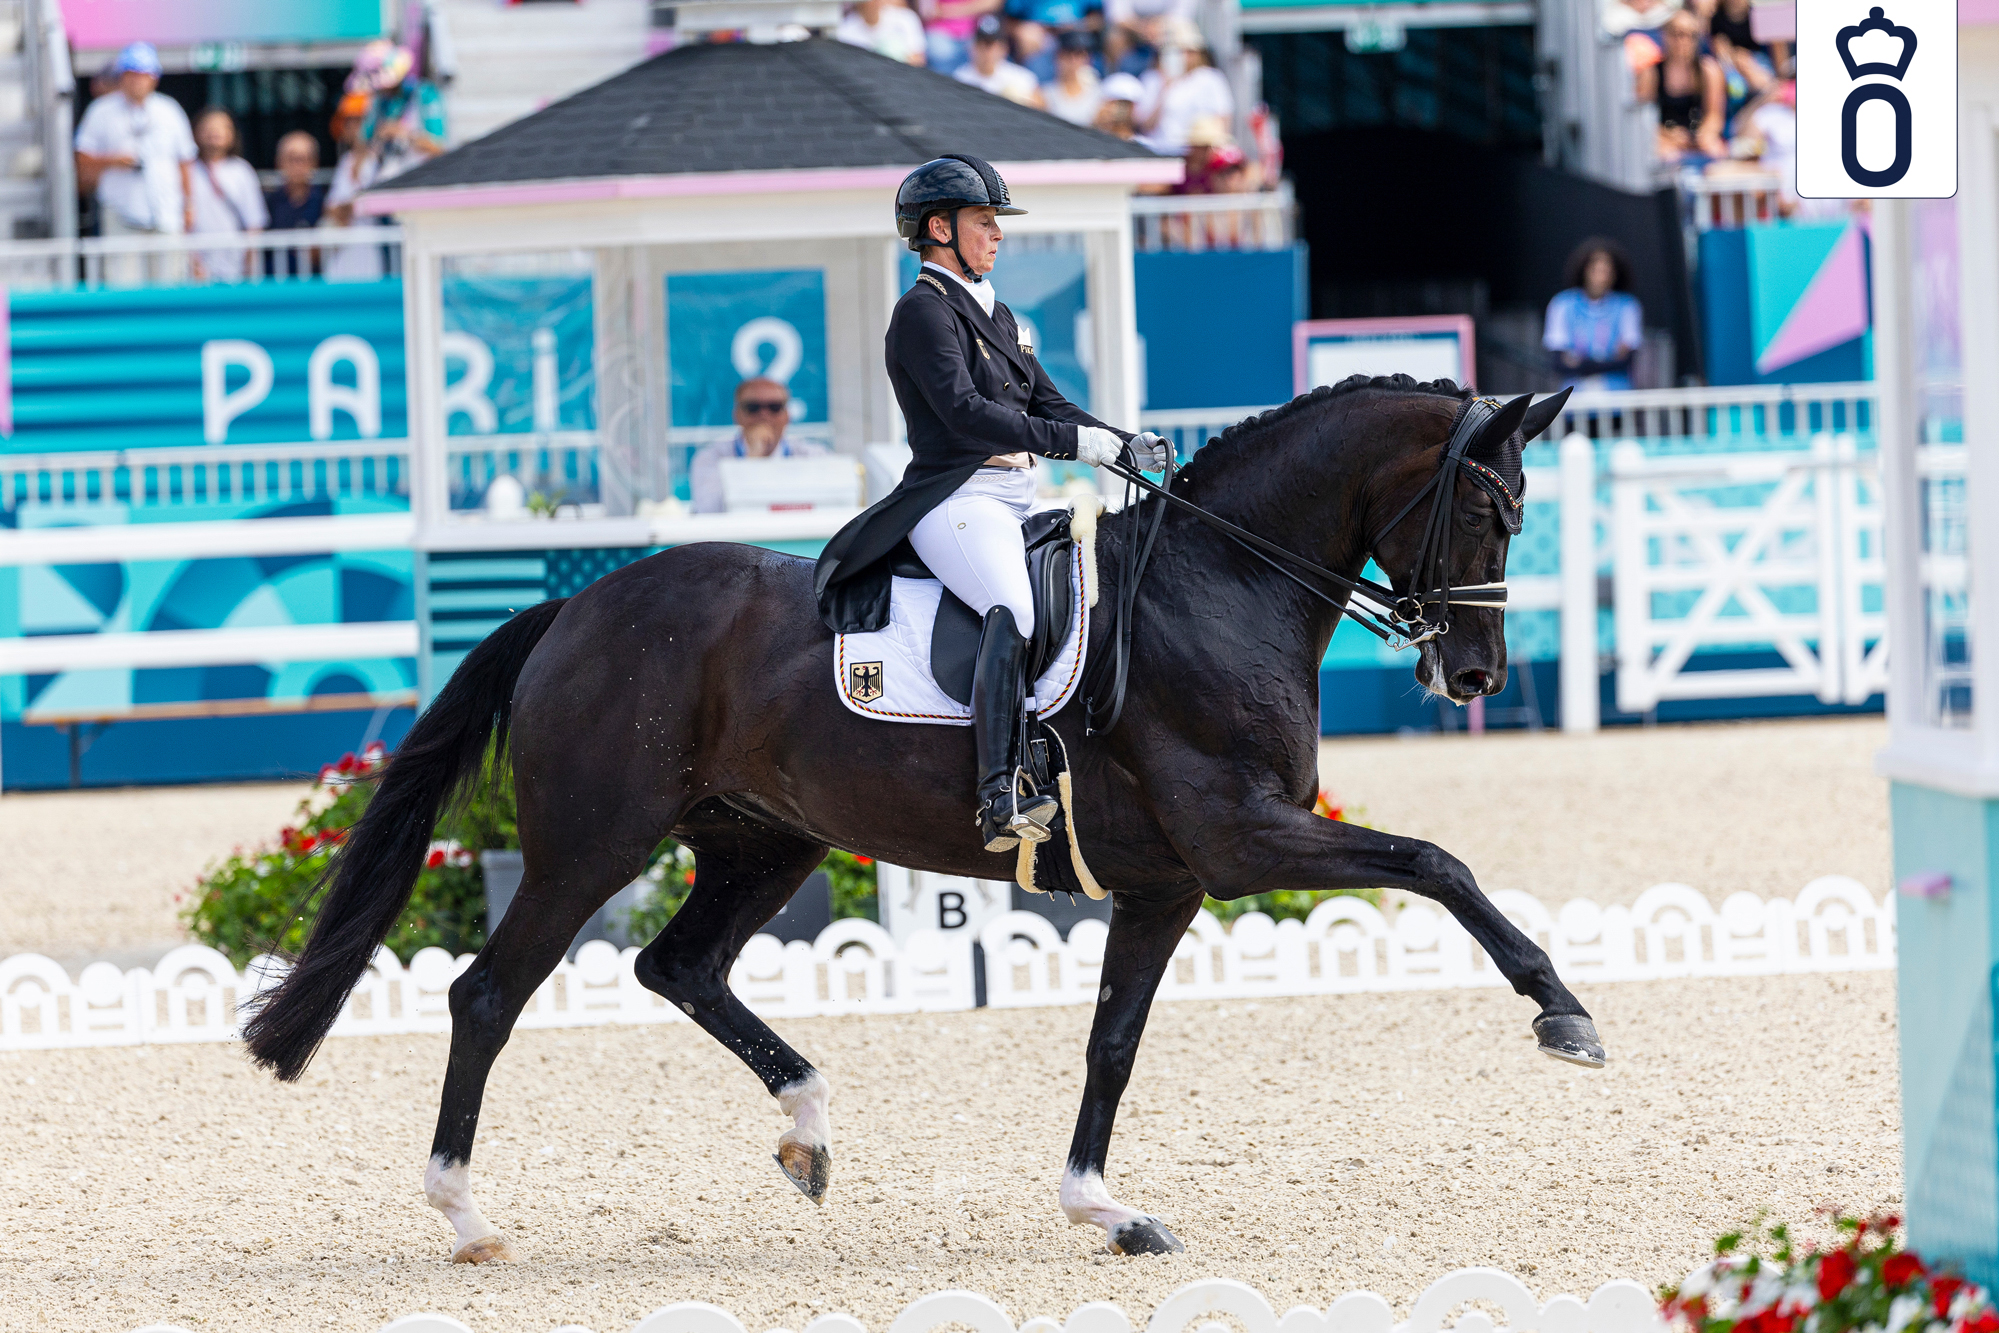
(1472,681)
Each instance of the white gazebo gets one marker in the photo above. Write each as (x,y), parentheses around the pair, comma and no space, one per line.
(1936,321)
(749,159)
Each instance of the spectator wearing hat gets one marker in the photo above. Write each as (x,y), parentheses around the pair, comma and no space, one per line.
(1075,92)
(991,70)
(1120,92)
(886,27)
(133,148)
(1204,136)
(1038,26)
(1595,325)
(947,27)
(352,173)
(404,122)
(1181,88)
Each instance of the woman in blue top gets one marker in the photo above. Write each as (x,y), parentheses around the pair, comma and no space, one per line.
(1595,325)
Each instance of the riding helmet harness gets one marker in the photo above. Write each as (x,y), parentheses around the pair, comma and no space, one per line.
(1399,620)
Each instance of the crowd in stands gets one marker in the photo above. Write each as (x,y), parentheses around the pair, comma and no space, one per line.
(154,173)
(1138,69)
(1727,99)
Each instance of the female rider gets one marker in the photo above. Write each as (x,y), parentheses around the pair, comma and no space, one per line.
(979,407)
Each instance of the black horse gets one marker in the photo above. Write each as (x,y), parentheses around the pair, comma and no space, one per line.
(691,693)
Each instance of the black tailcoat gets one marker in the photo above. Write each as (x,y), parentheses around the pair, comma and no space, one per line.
(968,390)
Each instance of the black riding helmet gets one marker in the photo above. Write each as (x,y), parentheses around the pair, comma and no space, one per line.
(945,185)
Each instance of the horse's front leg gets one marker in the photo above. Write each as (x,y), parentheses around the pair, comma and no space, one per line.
(1284,847)
(1136,956)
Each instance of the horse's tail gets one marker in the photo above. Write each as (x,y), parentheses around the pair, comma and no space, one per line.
(369,880)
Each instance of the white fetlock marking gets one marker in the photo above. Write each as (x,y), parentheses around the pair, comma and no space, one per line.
(1085,1199)
(448,1186)
(806,1102)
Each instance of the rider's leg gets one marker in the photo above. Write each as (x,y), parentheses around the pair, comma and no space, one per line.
(972,542)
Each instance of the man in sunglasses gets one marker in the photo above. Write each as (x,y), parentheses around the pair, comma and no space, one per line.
(763,413)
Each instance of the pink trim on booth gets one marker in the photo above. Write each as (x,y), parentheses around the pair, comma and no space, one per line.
(1119,171)
(1977,13)
(1779,23)
(1305,330)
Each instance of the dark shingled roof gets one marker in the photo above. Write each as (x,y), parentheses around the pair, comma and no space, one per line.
(741,106)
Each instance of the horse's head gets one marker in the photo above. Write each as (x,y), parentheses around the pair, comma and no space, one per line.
(1461,544)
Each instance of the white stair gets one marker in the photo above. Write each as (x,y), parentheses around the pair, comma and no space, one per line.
(515,59)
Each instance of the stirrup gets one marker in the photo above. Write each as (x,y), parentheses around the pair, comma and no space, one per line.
(1032,821)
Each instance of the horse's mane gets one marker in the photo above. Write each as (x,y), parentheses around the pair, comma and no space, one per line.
(1242,436)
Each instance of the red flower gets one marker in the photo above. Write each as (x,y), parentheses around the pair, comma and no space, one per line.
(864,860)
(1901,1268)
(333,837)
(348,763)
(1985,1321)
(1942,1290)
(435,859)
(1887,1222)
(1835,1272)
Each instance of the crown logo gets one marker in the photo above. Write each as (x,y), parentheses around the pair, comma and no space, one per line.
(1874,22)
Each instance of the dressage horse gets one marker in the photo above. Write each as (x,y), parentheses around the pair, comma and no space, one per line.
(691,694)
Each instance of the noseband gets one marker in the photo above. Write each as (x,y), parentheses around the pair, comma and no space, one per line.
(1397,619)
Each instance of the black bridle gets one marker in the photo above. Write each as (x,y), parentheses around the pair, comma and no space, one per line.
(1400,620)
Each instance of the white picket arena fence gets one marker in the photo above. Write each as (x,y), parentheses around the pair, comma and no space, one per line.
(1620,1306)
(855,967)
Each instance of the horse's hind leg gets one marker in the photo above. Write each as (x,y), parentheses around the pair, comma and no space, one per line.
(531,939)
(743,874)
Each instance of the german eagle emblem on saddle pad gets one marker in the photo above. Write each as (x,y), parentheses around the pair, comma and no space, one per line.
(917,668)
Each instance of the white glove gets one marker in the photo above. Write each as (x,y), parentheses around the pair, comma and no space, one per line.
(1097,446)
(1153,452)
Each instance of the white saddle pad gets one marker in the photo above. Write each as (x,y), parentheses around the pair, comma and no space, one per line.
(885,673)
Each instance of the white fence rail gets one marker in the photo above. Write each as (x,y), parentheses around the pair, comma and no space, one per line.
(855,967)
(154,260)
(1261,220)
(1620,1306)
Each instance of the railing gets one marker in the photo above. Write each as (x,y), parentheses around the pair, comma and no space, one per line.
(215,474)
(354,253)
(1255,221)
(1729,202)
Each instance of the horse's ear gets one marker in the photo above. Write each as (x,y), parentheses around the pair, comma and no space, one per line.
(1499,430)
(1542,415)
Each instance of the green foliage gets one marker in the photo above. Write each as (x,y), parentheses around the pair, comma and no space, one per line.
(261,901)
(1293,903)
(672,874)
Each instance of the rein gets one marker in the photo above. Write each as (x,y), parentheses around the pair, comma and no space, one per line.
(1398,621)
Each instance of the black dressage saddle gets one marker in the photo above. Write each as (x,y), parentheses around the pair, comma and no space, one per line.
(954,640)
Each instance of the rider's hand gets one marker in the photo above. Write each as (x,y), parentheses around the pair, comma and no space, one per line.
(1152,452)
(1097,446)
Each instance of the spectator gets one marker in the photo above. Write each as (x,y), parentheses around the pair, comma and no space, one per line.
(1135,30)
(1114,113)
(1184,87)
(1745,62)
(1204,136)
(353,173)
(1075,92)
(1038,26)
(763,414)
(1595,325)
(404,121)
(133,148)
(886,27)
(991,70)
(1688,87)
(1627,16)
(297,203)
(947,27)
(227,200)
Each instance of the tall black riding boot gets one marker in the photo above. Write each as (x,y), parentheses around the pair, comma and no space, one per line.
(1005,816)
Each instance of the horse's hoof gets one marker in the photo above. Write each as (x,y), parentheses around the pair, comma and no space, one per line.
(808,1166)
(494,1249)
(1570,1037)
(1144,1235)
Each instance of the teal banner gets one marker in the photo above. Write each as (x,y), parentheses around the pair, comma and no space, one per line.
(724,328)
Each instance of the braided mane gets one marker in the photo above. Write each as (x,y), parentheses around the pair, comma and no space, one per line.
(1239,437)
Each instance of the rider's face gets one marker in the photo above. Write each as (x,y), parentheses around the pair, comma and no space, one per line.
(979,237)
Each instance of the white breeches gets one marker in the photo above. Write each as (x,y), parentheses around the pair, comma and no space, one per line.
(971,541)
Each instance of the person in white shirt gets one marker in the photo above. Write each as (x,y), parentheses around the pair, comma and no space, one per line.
(991,70)
(763,414)
(353,173)
(885,27)
(226,199)
(1181,89)
(1075,92)
(134,146)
